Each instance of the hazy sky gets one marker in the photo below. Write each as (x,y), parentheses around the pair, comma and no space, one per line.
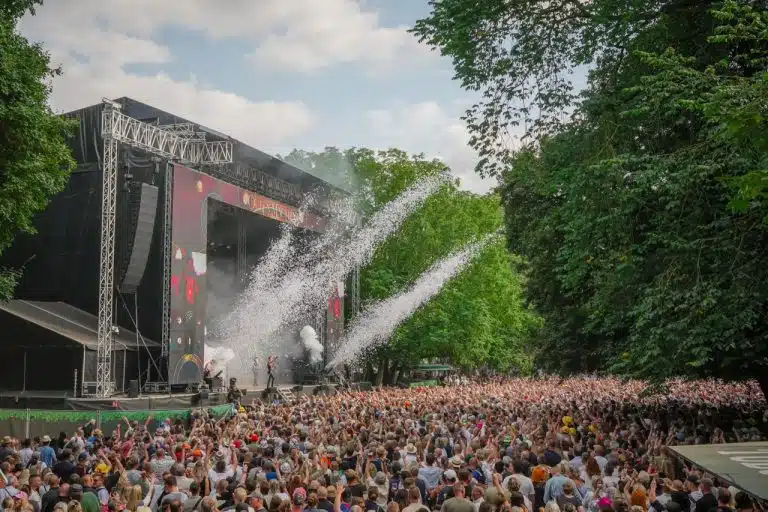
(276,74)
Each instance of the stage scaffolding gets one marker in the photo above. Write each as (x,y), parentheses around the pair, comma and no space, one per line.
(175,143)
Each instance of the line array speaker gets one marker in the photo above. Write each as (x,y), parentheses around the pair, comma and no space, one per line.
(145,216)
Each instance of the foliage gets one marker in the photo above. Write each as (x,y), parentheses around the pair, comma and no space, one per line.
(478,318)
(520,56)
(34,159)
(639,255)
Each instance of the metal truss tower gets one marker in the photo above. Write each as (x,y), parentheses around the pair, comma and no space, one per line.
(167,248)
(176,143)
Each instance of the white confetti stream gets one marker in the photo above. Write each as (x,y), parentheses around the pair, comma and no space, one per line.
(377,323)
(287,287)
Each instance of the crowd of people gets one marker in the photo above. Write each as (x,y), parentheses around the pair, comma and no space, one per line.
(506,445)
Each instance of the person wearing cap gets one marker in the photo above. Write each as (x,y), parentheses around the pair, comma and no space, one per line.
(6,450)
(47,453)
(450,478)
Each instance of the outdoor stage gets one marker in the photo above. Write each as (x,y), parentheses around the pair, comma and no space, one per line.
(185,236)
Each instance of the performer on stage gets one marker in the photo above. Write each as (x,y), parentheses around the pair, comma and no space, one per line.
(271,363)
(208,374)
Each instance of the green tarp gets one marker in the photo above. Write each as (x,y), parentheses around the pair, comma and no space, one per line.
(22,423)
(744,465)
(424,384)
(433,368)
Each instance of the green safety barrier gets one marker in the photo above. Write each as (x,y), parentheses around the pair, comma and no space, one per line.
(21,423)
(424,383)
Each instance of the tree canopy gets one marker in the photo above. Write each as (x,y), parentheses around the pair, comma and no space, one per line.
(641,218)
(521,56)
(478,318)
(34,159)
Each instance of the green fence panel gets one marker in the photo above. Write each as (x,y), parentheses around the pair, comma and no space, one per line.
(20,423)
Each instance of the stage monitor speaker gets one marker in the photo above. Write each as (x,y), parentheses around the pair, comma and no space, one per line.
(133,389)
(143,217)
(310,379)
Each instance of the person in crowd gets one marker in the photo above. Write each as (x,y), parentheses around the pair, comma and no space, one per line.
(493,445)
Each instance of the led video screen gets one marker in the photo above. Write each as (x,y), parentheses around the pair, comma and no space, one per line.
(189,223)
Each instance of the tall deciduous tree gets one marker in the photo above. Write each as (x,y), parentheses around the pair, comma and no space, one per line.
(641,217)
(479,317)
(34,159)
(520,55)
(640,256)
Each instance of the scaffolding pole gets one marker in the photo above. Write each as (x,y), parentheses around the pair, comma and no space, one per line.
(176,144)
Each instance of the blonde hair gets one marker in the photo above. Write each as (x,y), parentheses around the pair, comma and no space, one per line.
(134,497)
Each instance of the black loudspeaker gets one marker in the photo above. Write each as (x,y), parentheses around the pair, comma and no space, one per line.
(142,216)
(133,389)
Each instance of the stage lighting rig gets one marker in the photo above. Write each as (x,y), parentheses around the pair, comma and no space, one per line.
(178,144)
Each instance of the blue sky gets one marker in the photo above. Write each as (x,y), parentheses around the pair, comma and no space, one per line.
(276,74)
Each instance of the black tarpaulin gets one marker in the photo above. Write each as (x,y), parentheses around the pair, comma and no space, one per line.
(70,322)
(745,465)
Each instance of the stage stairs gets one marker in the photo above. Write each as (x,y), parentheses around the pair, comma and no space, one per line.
(286,394)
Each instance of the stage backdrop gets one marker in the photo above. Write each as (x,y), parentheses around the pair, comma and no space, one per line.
(191,191)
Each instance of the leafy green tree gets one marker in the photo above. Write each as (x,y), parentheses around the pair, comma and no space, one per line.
(34,159)
(478,318)
(520,55)
(639,255)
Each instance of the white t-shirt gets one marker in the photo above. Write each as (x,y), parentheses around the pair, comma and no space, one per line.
(217,477)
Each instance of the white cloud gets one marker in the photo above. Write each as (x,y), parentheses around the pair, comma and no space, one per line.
(95,40)
(94,47)
(318,34)
(427,128)
(294,35)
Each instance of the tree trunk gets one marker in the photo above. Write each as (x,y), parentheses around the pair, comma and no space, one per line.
(380,373)
(370,374)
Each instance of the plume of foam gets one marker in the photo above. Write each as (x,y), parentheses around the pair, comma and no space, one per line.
(377,323)
(286,287)
(311,344)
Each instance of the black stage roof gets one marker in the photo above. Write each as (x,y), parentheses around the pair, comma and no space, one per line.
(68,322)
(264,162)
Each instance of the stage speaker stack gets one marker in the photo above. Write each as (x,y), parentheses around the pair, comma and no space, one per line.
(133,389)
(143,201)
